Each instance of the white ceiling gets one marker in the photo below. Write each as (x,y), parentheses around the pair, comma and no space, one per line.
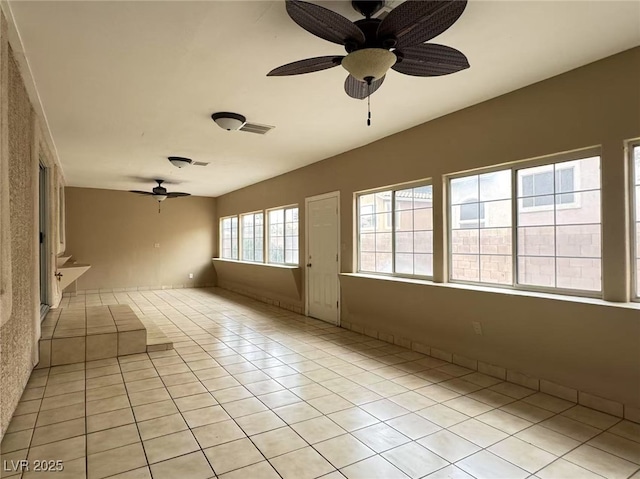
(126,84)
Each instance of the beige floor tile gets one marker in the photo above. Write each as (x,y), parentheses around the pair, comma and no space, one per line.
(112,438)
(58,432)
(484,465)
(303,463)
(66,450)
(412,401)
(278,441)
(527,411)
(204,416)
(562,469)
(600,462)
(218,433)
(265,387)
(381,437)
(330,403)
(548,440)
(140,473)
(449,472)
(591,417)
(574,429)
(318,429)
(244,407)
(115,461)
(310,391)
(144,385)
(188,389)
(198,401)
(514,390)
(478,432)
(105,405)
(504,421)
(375,467)
(22,423)
(279,398)
(442,415)
(192,466)
(75,469)
(181,378)
(104,381)
(360,395)
(296,412)
(236,393)
(259,422)
(492,398)
(154,410)
(223,382)
(414,460)
(106,392)
(449,446)
(15,441)
(437,393)
(233,455)
(522,454)
(627,429)
(343,450)
(354,418)
(149,396)
(11,465)
(29,407)
(138,374)
(161,426)
(65,388)
(552,403)
(172,445)
(262,470)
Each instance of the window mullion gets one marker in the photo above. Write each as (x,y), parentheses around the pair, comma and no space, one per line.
(514,227)
(393,232)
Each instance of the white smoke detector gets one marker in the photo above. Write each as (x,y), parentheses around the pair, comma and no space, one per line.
(229,121)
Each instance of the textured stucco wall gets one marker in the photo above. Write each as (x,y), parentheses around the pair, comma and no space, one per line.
(21,149)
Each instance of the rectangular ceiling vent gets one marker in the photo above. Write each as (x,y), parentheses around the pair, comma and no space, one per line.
(256,128)
(200,163)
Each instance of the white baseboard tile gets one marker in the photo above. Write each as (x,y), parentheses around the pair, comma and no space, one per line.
(440,354)
(386,337)
(559,391)
(492,370)
(373,333)
(600,404)
(404,342)
(357,328)
(465,362)
(523,380)
(421,348)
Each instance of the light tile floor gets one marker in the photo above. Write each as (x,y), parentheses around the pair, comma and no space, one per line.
(253,391)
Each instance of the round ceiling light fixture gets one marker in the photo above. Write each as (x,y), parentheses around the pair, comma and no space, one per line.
(229,121)
(369,64)
(179,161)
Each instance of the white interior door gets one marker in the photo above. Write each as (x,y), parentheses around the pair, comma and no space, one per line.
(323,241)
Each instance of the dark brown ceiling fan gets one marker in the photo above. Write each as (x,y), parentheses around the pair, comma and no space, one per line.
(160,193)
(374,45)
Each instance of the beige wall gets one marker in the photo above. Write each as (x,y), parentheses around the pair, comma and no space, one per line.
(115,232)
(584,346)
(22,148)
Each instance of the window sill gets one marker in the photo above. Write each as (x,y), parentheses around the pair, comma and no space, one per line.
(489,289)
(252,263)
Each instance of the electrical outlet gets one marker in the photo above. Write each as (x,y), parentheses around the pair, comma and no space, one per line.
(156,245)
(477,327)
(190,275)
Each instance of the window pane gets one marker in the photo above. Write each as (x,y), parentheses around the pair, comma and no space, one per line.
(496,269)
(495,214)
(465,267)
(465,241)
(283,236)
(384,262)
(636,152)
(463,189)
(229,238)
(495,241)
(559,233)
(423,264)
(404,263)
(495,186)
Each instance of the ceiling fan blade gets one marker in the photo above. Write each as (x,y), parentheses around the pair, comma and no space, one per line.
(417,21)
(324,23)
(307,65)
(359,89)
(176,194)
(141,192)
(430,60)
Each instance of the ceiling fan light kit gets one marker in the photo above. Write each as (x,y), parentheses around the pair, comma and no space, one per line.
(180,161)
(229,121)
(374,46)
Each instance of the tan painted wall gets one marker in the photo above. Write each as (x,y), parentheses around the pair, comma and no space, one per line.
(598,104)
(22,148)
(115,232)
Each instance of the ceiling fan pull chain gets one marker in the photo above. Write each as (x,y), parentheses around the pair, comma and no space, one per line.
(369,104)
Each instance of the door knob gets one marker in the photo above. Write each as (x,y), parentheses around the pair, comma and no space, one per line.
(308,265)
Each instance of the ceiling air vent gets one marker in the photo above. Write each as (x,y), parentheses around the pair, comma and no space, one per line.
(256,128)
(200,163)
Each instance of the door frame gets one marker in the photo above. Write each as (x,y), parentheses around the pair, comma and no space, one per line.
(324,196)
(44,244)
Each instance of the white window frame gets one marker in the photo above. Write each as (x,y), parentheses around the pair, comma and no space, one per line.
(241,236)
(267,226)
(392,213)
(515,167)
(221,229)
(635,273)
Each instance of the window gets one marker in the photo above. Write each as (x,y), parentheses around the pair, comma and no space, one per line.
(481,234)
(559,246)
(252,237)
(229,237)
(395,232)
(542,220)
(636,216)
(283,235)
